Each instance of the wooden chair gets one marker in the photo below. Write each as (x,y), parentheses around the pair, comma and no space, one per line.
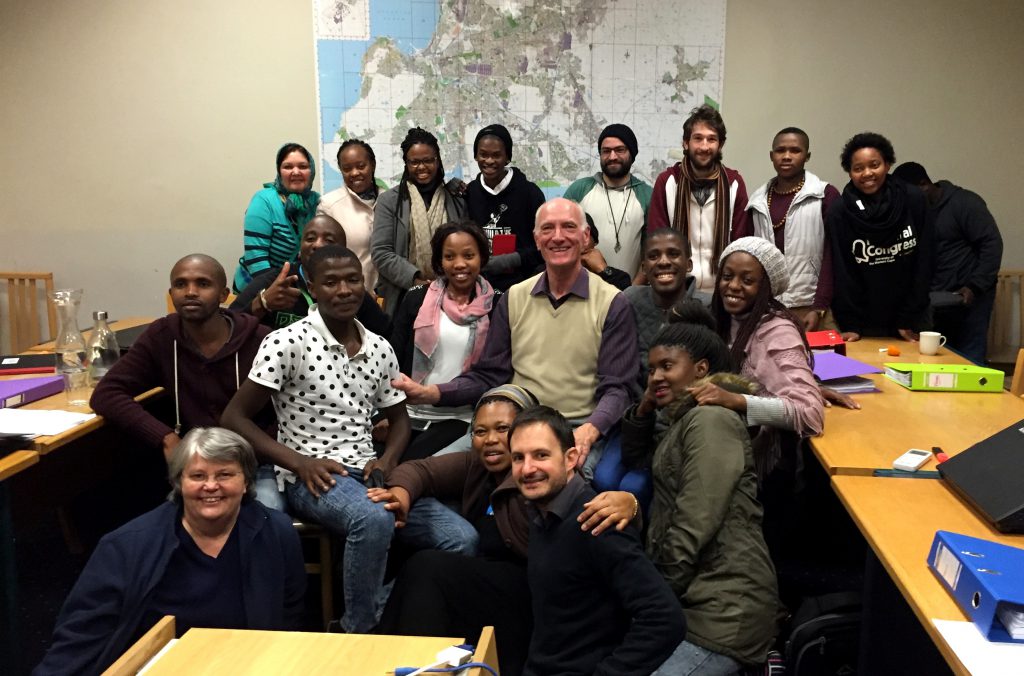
(143,650)
(23,308)
(486,652)
(324,567)
(1017,384)
(1006,331)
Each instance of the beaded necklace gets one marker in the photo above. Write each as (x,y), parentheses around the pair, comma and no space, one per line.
(772,191)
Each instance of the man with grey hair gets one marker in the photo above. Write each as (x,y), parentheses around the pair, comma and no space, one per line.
(564,334)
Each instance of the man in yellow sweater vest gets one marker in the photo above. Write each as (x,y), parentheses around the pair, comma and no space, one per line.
(565,334)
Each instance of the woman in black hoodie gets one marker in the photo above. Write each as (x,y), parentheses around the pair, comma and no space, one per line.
(881,246)
(504,203)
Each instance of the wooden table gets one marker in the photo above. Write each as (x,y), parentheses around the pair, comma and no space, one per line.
(126,323)
(899,517)
(47,444)
(232,651)
(15,462)
(896,419)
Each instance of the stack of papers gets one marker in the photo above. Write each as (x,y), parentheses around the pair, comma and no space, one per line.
(843,374)
(1012,617)
(40,423)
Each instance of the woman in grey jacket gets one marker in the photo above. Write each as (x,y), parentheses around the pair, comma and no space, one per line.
(406,216)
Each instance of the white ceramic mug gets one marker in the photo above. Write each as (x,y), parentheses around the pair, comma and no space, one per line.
(930,342)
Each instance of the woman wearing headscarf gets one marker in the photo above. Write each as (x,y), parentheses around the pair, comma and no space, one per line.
(406,217)
(276,214)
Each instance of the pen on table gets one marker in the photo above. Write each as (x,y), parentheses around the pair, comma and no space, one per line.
(940,457)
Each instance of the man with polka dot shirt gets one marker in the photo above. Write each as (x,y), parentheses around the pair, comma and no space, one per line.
(326,374)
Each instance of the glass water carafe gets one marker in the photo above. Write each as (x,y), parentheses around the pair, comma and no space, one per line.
(70,347)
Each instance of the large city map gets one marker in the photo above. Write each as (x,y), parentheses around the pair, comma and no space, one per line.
(555,72)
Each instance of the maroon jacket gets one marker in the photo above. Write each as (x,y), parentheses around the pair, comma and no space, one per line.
(204,386)
(659,213)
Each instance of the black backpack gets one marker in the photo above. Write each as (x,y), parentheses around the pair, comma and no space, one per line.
(825,636)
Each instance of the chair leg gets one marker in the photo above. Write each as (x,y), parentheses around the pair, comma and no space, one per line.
(326,579)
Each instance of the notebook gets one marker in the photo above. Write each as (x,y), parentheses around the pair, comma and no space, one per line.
(13,364)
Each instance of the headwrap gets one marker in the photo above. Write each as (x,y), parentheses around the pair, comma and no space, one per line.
(299,207)
(518,395)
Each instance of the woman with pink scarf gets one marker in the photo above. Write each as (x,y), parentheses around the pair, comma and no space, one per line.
(440,329)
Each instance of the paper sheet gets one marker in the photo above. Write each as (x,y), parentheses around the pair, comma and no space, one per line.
(41,422)
(980,656)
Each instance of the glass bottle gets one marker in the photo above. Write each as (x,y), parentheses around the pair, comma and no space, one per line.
(70,346)
(103,350)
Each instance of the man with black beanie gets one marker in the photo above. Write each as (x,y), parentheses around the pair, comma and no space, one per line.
(615,199)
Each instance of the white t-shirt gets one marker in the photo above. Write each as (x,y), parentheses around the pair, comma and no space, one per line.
(323,398)
(452,349)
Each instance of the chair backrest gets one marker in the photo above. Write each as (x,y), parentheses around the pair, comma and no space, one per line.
(1006,331)
(486,652)
(144,649)
(23,308)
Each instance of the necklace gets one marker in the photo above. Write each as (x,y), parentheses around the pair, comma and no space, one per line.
(625,207)
(772,191)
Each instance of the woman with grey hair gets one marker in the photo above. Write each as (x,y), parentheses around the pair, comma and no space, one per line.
(211,556)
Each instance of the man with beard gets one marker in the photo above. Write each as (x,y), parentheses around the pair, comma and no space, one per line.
(701,197)
(615,199)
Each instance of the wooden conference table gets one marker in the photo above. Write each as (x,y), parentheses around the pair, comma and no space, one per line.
(896,419)
(234,651)
(898,517)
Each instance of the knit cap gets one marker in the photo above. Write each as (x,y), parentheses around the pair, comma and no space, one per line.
(621,132)
(495,130)
(770,258)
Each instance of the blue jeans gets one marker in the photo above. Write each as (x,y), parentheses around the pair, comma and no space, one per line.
(692,659)
(368,528)
(611,475)
(266,488)
(431,525)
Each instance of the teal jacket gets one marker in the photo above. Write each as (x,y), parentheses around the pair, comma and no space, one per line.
(269,240)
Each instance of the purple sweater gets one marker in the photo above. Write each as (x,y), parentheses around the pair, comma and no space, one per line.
(205,386)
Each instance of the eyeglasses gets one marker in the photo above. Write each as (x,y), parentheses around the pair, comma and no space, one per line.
(416,164)
(221,477)
(618,150)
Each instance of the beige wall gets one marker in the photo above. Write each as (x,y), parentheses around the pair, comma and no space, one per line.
(134,132)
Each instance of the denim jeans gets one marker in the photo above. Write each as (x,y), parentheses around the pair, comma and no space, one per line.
(431,525)
(368,528)
(267,493)
(692,659)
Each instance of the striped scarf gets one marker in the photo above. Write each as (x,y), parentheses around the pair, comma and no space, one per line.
(723,207)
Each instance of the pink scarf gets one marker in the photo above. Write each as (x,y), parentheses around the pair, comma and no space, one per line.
(427,325)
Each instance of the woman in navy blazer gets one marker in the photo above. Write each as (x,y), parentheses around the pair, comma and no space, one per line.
(211,556)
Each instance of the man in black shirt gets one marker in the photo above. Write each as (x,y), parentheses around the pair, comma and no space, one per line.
(599,605)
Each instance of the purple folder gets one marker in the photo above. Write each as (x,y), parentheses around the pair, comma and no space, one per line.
(22,391)
(832,365)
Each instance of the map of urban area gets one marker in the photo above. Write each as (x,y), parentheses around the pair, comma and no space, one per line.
(555,72)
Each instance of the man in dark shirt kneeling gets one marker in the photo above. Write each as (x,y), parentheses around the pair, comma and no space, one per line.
(599,605)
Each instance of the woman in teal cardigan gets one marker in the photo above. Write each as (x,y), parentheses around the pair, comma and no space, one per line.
(276,214)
